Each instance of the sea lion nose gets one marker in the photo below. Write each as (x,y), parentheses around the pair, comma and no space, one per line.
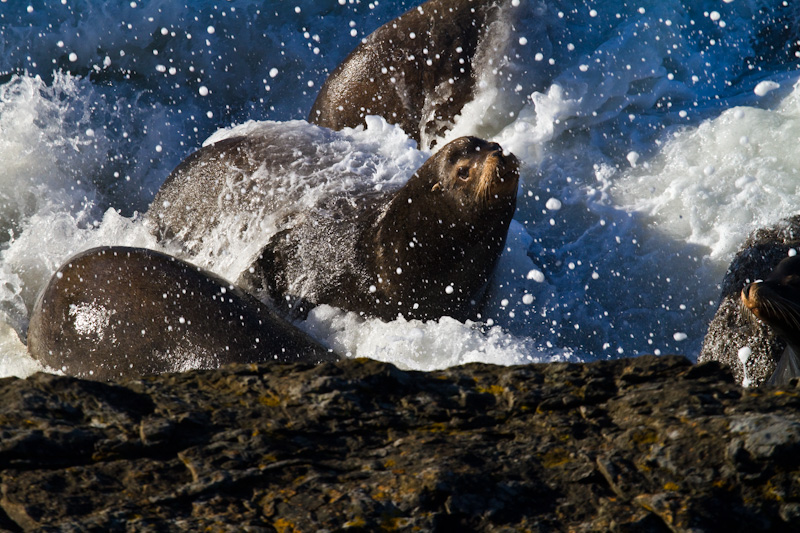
(495,148)
(749,293)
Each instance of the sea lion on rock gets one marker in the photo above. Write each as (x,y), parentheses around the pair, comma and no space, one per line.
(118,312)
(416,71)
(751,348)
(423,251)
(776,301)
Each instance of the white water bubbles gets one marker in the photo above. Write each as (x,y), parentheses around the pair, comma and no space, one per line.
(60,174)
(553,204)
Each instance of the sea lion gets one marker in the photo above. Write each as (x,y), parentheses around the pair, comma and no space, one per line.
(118,312)
(416,71)
(776,301)
(751,348)
(423,251)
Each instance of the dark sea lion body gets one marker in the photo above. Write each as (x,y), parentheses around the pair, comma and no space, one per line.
(423,251)
(732,327)
(117,312)
(416,71)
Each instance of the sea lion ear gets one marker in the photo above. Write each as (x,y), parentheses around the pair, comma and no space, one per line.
(436,187)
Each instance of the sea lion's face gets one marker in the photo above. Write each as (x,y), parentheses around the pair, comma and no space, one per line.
(776,300)
(477,172)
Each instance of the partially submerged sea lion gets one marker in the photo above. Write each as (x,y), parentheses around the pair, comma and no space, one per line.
(423,251)
(115,312)
(416,71)
(776,301)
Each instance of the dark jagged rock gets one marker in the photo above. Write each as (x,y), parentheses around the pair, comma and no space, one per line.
(644,444)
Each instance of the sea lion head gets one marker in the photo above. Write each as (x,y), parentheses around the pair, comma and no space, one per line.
(476,173)
(776,299)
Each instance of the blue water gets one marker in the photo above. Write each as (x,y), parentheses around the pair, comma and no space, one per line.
(654,135)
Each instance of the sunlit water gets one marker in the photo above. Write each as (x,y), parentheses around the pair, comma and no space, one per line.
(654,134)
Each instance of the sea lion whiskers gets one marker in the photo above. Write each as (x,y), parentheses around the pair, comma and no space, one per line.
(489,173)
(498,167)
(787,309)
(750,317)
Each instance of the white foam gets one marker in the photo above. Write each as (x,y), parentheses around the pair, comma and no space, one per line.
(422,345)
(700,169)
(14,359)
(744,355)
(379,157)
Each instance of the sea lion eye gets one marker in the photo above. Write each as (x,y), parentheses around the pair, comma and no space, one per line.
(463,173)
(792,280)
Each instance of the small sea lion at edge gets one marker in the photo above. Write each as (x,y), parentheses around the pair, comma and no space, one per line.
(751,348)
(776,301)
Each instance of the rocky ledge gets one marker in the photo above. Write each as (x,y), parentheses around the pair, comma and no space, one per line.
(644,444)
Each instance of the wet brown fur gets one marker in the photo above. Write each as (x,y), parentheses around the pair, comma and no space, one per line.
(157,314)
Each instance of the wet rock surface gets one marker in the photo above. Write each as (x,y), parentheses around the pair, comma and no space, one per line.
(644,444)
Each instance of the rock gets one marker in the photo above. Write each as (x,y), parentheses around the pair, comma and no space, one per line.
(645,444)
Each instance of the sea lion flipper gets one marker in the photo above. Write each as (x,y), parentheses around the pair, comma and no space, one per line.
(788,368)
(267,277)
